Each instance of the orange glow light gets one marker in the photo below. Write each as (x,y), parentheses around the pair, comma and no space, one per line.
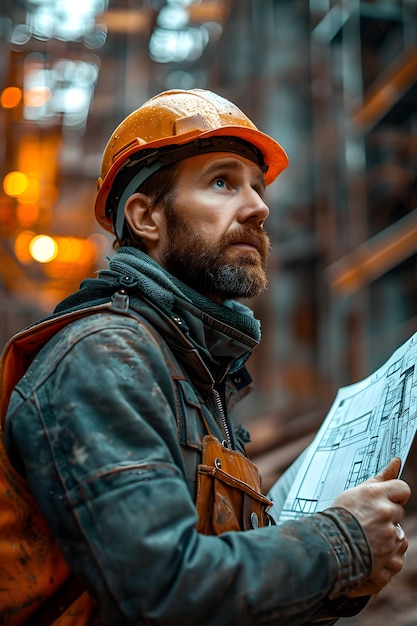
(15,183)
(10,97)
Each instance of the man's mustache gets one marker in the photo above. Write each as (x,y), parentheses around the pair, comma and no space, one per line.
(251,234)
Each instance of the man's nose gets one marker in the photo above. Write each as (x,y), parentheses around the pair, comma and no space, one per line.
(254,208)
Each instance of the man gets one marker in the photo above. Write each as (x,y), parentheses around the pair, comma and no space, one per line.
(121,424)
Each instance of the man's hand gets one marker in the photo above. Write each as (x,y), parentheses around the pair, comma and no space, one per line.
(378,504)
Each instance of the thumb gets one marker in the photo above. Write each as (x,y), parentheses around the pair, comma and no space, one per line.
(390,472)
(396,490)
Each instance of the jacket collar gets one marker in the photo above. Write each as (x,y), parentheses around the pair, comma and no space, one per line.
(225,334)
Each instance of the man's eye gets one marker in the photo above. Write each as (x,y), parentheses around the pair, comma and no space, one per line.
(220,183)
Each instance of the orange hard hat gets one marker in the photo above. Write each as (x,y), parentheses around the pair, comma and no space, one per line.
(167,128)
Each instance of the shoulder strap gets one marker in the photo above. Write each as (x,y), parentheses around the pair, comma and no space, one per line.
(23,347)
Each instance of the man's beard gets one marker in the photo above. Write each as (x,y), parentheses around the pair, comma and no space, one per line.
(204,266)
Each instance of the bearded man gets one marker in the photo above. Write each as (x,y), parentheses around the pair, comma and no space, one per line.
(121,425)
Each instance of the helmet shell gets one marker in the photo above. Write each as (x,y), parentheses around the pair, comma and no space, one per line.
(174,118)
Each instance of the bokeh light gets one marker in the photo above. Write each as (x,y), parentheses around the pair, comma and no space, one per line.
(10,97)
(15,183)
(43,248)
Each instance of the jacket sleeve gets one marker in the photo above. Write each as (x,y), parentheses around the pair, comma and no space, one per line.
(94,424)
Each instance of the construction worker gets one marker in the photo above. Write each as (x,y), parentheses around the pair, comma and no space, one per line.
(121,424)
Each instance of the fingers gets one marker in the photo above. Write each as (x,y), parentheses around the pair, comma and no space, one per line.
(396,490)
(383,576)
(376,502)
(394,566)
(391,471)
(378,505)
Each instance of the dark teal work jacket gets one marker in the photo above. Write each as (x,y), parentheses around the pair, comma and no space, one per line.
(109,441)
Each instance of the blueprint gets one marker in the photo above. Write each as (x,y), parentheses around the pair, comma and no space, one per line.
(368,424)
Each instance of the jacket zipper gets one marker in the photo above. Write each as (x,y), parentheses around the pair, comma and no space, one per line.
(228,441)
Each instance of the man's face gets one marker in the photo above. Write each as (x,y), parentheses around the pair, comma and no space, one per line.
(214,239)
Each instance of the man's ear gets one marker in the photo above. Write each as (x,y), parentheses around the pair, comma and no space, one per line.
(143,220)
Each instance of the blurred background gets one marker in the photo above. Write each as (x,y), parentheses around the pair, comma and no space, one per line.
(335,82)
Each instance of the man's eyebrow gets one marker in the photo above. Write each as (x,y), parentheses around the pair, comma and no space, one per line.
(233,165)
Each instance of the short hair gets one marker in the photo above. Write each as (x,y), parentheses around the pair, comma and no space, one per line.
(160,188)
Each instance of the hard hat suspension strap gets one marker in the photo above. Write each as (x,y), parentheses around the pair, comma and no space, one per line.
(132,186)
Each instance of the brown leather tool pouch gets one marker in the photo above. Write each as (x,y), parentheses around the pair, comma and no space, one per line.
(228,491)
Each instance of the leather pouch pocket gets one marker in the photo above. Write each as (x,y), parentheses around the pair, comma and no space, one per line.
(228,491)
